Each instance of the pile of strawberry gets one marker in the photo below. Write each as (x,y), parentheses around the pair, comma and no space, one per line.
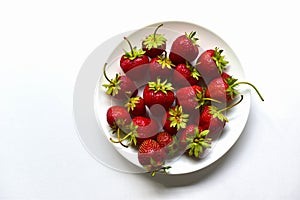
(169,104)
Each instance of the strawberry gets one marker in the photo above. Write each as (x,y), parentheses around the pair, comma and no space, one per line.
(140,129)
(185,75)
(118,119)
(170,144)
(192,99)
(154,44)
(134,63)
(213,118)
(152,156)
(121,87)
(136,106)
(184,48)
(223,88)
(195,141)
(162,67)
(211,64)
(174,120)
(157,93)
(117,115)
(164,139)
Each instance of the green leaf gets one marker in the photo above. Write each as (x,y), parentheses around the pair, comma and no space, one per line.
(154,41)
(160,87)
(220,60)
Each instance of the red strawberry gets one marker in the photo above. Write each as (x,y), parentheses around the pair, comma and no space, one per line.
(157,93)
(162,67)
(170,144)
(118,119)
(136,106)
(154,44)
(164,139)
(151,155)
(195,141)
(134,63)
(211,64)
(185,75)
(121,87)
(117,115)
(223,88)
(174,120)
(184,48)
(213,118)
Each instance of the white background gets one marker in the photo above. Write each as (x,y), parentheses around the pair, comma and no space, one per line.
(42,47)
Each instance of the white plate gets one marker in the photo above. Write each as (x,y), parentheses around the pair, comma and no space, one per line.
(97,141)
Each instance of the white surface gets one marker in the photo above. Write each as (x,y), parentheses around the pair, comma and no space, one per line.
(94,73)
(42,47)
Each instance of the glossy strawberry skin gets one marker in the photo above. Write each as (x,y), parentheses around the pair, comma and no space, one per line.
(186,97)
(147,128)
(128,88)
(216,89)
(135,69)
(115,113)
(152,98)
(139,109)
(182,76)
(154,52)
(150,149)
(213,124)
(164,139)
(183,50)
(156,70)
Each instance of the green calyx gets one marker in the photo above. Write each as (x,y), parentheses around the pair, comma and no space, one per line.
(165,62)
(198,142)
(134,52)
(231,91)
(178,118)
(219,59)
(202,100)
(113,87)
(160,87)
(131,103)
(194,72)
(155,40)
(192,38)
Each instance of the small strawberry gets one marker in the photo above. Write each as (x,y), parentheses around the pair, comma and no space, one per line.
(134,63)
(117,115)
(223,88)
(164,139)
(213,118)
(152,156)
(170,144)
(174,120)
(157,93)
(184,48)
(162,67)
(121,87)
(185,75)
(118,119)
(211,64)
(136,106)
(154,44)
(195,141)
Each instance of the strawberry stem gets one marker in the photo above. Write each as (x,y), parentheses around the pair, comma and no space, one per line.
(213,100)
(242,82)
(104,73)
(154,34)
(231,106)
(130,46)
